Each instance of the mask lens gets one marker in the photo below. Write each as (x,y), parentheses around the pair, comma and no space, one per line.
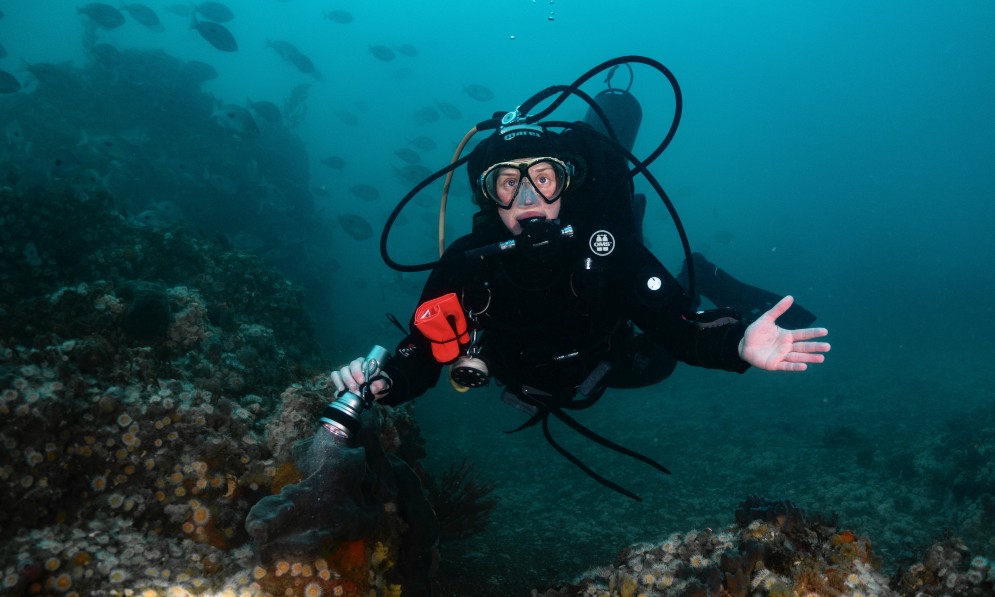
(547,177)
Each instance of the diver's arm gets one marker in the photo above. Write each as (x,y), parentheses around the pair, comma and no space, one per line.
(413,369)
(660,308)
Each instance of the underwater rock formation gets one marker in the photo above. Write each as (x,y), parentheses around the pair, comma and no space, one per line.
(344,491)
(774,551)
(132,459)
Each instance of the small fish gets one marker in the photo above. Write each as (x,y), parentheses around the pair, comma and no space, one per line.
(267,110)
(339,16)
(426,115)
(215,11)
(299,93)
(382,53)
(291,54)
(303,63)
(216,35)
(295,107)
(109,146)
(63,164)
(221,183)
(182,169)
(102,14)
(52,74)
(31,255)
(365,192)
(91,177)
(334,162)
(107,54)
(90,180)
(449,111)
(423,143)
(479,92)
(14,134)
(355,226)
(199,71)
(160,216)
(237,119)
(407,50)
(8,82)
(144,15)
(408,155)
(412,173)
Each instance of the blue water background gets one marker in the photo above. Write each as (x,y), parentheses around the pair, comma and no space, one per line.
(843,152)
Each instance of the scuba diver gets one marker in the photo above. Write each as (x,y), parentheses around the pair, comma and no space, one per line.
(553,293)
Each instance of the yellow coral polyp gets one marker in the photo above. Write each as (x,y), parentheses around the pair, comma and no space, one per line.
(201,515)
(380,555)
(82,558)
(313,590)
(62,582)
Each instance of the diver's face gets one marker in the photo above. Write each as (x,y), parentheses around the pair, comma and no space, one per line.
(526,201)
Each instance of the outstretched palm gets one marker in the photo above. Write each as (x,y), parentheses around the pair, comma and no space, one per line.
(767,346)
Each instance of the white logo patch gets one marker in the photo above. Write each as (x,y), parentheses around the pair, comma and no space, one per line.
(602,243)
(654,283)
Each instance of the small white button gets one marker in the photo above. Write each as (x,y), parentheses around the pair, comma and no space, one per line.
(654,283)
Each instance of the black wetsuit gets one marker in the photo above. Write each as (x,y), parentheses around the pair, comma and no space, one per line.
(548,320)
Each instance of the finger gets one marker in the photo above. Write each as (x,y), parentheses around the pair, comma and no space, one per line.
(337,380)
(788,366)
(810,346)
(804,357)
(779,309)
(356,371)
(809,333)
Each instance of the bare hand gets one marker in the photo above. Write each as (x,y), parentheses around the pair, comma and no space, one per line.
(351,377)
(767,346)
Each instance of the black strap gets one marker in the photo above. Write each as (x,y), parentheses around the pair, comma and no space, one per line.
(547,405)
(566,454)
(573,424)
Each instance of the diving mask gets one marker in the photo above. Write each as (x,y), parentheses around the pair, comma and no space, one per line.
(547,178)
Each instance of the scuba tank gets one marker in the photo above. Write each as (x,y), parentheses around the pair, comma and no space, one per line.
(624,114)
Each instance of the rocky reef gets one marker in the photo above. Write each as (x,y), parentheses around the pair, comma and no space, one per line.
(774,550)
(153,386)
